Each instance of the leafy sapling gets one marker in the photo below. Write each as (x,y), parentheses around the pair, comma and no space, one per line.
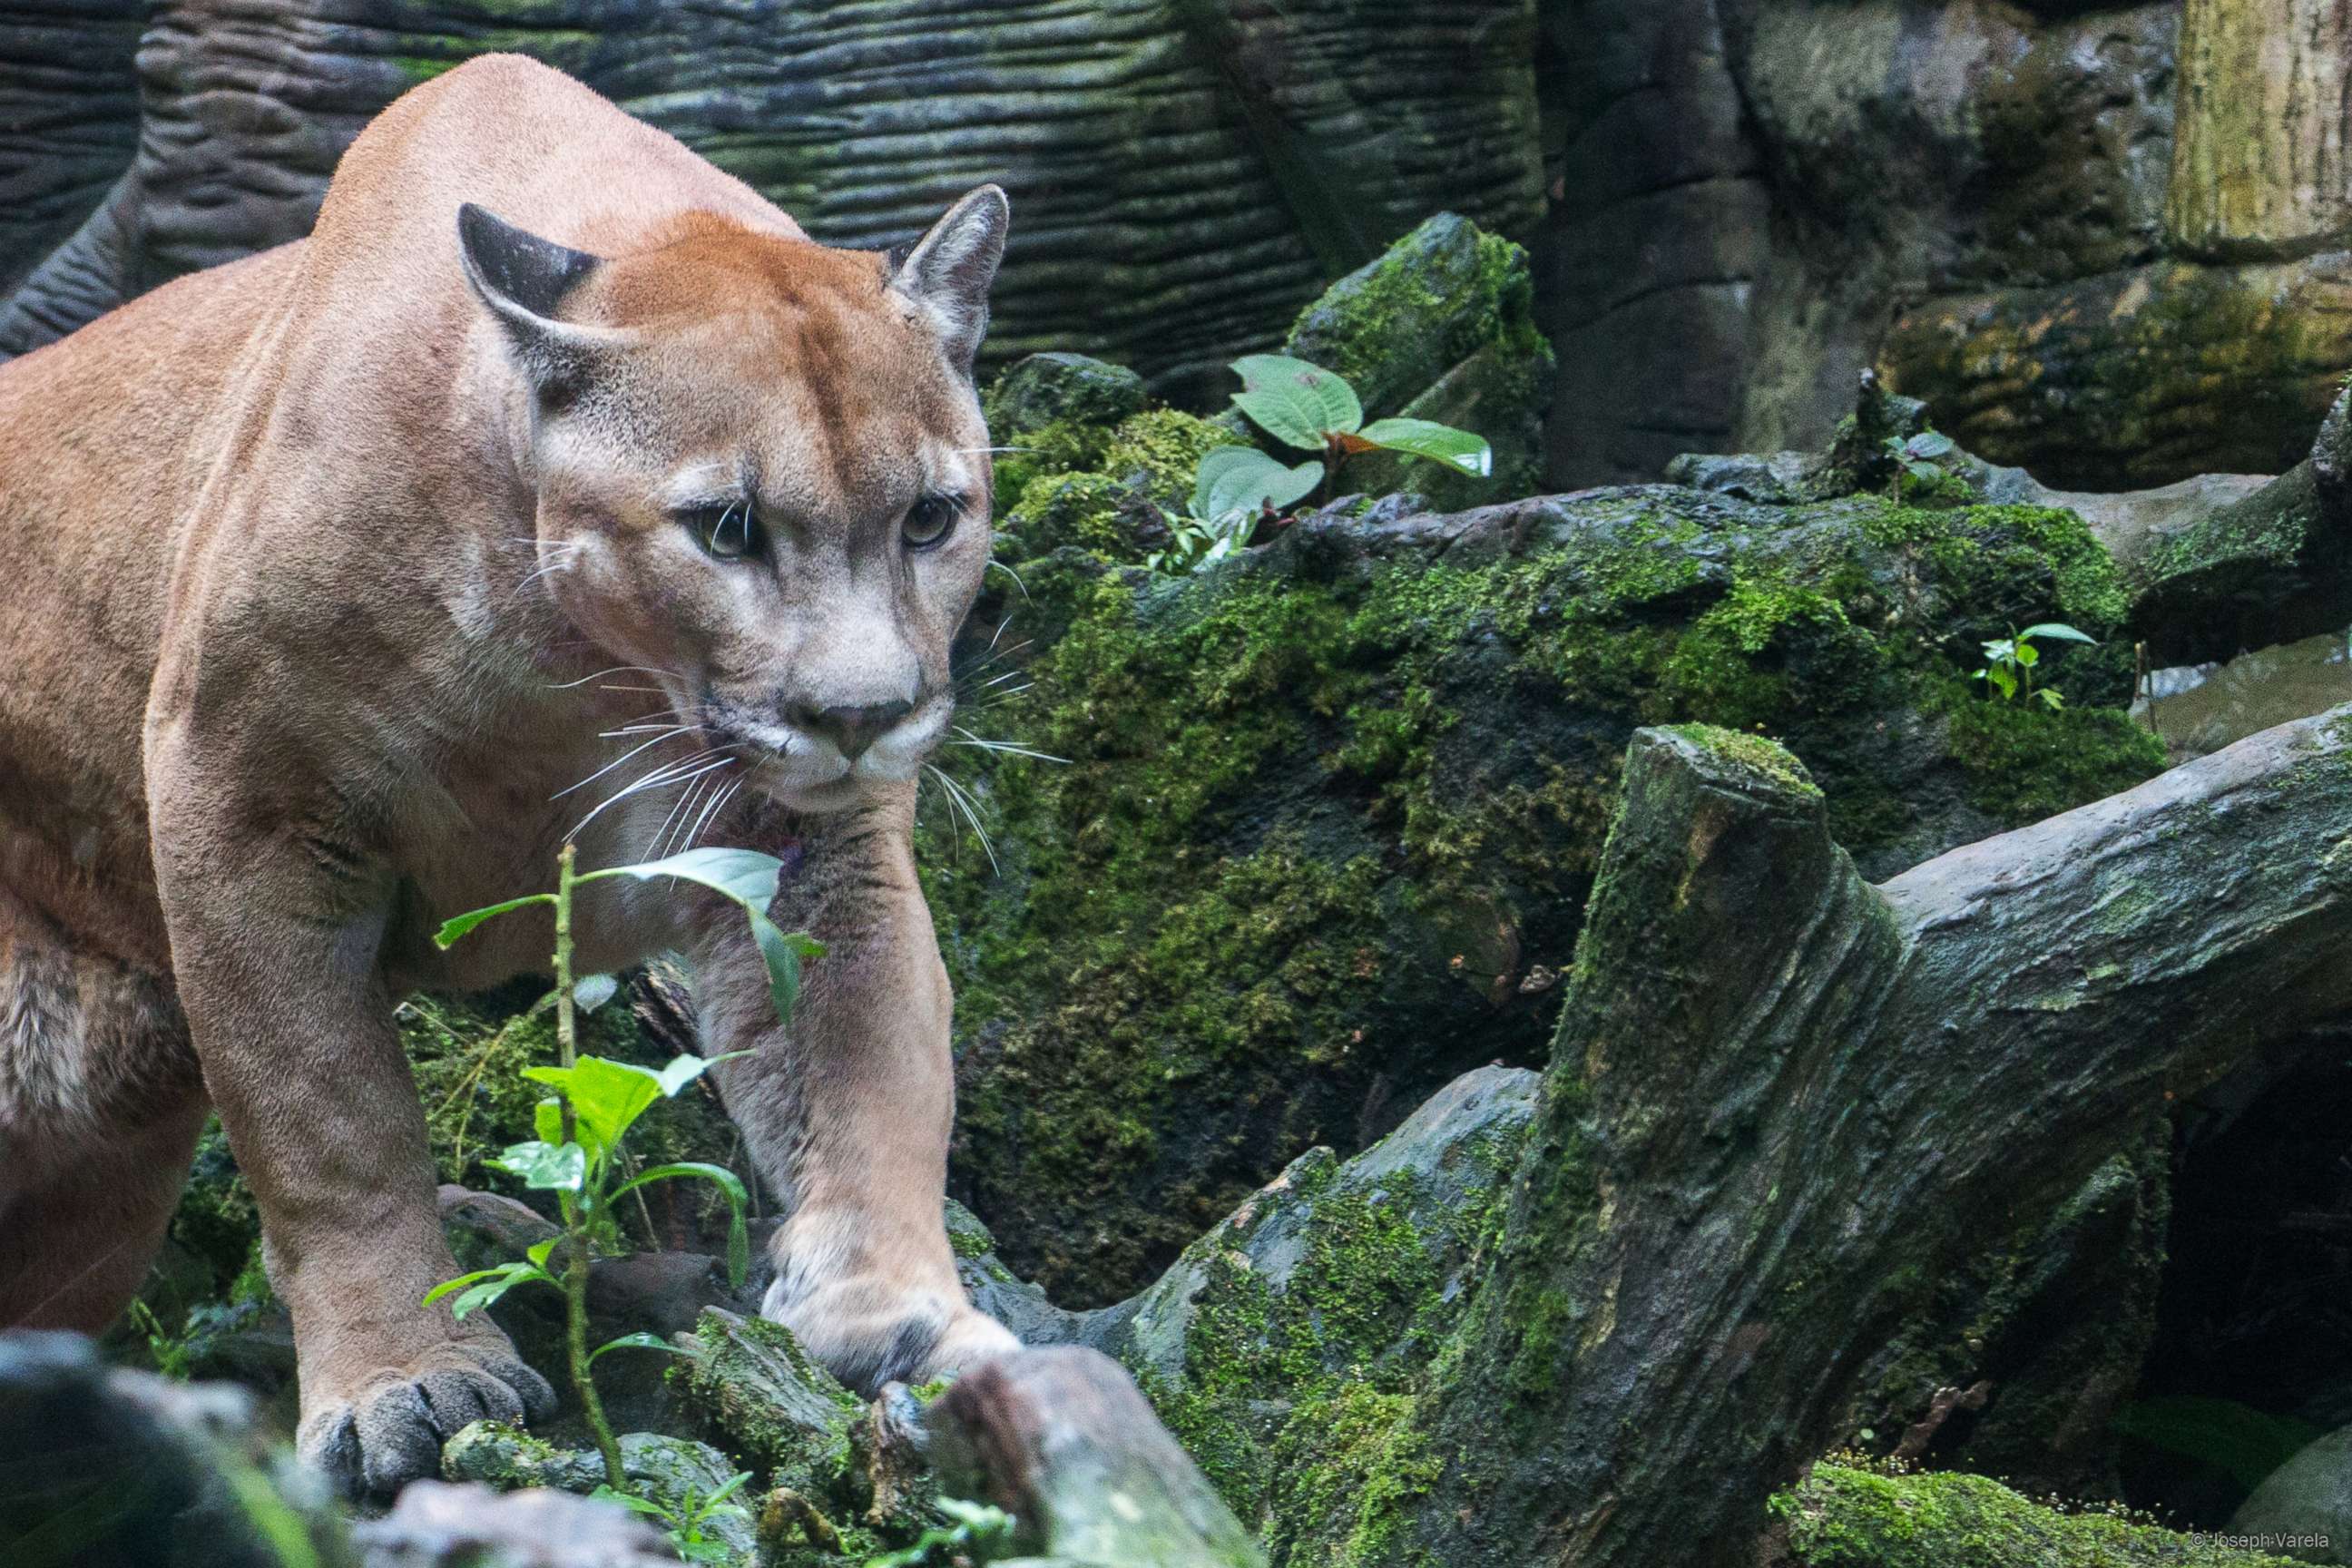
(1915,456)
(2009,663)
(685,1520)
(981,1533)
(1238,489)
(579,1152)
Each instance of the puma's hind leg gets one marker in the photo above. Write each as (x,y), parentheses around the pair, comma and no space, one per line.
(100,1103)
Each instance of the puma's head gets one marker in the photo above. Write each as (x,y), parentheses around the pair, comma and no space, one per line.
(762,473)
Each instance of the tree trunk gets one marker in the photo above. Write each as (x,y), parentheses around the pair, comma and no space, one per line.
(1783,1103)
(1061,1439)
(2260,168)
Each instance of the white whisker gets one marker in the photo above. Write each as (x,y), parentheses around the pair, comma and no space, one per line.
(1007,747)
(958,799)
(616,763)
(710,813)
(660,778)
(616,669)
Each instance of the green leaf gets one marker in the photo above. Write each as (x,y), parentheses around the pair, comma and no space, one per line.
(2027,655)
(547,1121)
(684,1069)
(483,1287)
(2057,631)
(2052,697)
(2003,681)
(739,1239)
(539,1252)
(461,1282)
(633,1503)
(749,877)
(545,1167)
(1924,472)
(633,1342)
(1928,444)
(1298,403)
(1235,480)
(592,991)
(1457,449)
(456,926)
(607,1097)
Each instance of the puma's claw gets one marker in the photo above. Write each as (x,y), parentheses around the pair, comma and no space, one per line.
(391,1430)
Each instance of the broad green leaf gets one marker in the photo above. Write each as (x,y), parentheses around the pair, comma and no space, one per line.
(456,926)
(1298,403)
(2003,681)
(702,1550)
(1924,472)
(547,1121)
(2052,697)
(739,1239)
(1235,481)
(1457,449)
(544,1166)
(633,1503)
(633,1342)
(607,1097)
(1928,444)
(2057,631)
(590,992)
(2027,653)
(539,1252)
(749,877)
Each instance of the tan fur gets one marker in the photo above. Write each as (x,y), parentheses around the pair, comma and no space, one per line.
(317,582)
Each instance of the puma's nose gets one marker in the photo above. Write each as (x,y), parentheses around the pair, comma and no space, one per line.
(851,728)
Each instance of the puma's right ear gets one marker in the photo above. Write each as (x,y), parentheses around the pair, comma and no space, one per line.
(948,271)
(522,278)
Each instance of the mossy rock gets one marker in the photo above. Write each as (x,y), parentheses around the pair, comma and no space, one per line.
(760,1394)
(1442,326)
(1289,1335)
(1048,388)
(670,1471)
(1843,1517)
(1330,813)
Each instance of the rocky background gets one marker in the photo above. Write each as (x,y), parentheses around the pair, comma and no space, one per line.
(1270,1076)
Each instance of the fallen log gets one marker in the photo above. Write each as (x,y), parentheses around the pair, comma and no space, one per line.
(1784,1103)
(1061,1439)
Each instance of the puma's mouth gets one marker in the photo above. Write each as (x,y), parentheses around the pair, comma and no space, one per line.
(805,768)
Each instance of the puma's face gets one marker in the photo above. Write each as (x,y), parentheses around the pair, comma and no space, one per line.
(762,475)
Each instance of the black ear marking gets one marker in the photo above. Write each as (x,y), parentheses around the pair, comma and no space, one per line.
(517,266)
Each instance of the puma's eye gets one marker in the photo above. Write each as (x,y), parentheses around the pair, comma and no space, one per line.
(929,521)
(727,532)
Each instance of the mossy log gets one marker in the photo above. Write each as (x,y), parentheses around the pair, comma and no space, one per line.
(2260,164)
(1784,1103)
(1061,1439)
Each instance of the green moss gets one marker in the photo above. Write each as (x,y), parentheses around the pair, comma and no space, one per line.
(1754,752)
(1164,445)
(1841,1517)
(1324,808)
(1058,510)
(2022,763)
(1350,1466)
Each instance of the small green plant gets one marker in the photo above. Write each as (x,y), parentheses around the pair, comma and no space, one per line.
(2009,662)
(1915,456)
(979,1535)
(578,1155)
(685,1520)
(1239,490)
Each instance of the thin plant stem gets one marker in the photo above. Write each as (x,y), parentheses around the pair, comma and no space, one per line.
(576,1219)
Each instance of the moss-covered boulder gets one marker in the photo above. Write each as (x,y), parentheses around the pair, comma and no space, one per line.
(1845,1517)
(1282,1344)
(672,1473)
(1327,814)
(1440,327)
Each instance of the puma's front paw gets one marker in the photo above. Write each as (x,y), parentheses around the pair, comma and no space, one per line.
(389,1430)
(867,1335)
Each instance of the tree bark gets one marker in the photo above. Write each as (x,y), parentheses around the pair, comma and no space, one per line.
(2261,167)
(1061,1439)
(1784,1102)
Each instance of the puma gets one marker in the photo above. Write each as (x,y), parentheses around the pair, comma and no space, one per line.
(556,486)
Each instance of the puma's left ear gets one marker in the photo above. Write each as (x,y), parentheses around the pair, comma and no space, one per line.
(948,271)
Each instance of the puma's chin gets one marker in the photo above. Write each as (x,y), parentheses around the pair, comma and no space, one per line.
(817,792)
